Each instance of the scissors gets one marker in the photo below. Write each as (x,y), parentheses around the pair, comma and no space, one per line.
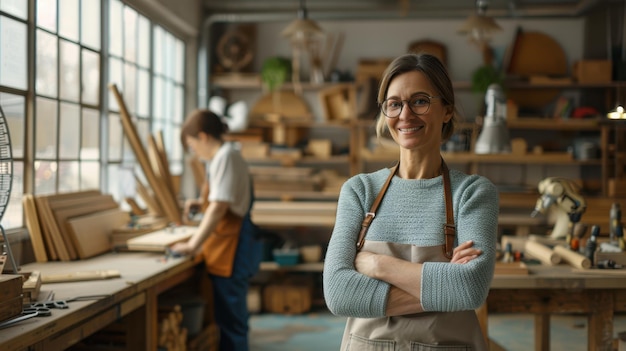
(27,313)
(63,304)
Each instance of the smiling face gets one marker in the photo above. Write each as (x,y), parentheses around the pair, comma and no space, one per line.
(420,133)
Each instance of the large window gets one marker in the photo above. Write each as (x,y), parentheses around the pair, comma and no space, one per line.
(65,135)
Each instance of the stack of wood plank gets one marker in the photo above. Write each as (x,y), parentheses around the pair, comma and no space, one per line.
(72,226)
(172,337)
(10,296)
(160,193)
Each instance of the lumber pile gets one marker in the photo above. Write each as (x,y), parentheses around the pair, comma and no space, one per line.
(159,194)
(172,336)
(70,226)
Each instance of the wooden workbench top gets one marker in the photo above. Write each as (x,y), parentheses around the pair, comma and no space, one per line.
(140,272)
(562,277)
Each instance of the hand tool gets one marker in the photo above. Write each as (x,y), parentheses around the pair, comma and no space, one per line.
(62,304)
(27,313)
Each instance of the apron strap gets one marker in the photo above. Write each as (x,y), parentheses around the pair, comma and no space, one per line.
(449,229)
(369,217)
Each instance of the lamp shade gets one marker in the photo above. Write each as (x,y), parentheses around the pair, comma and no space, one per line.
(301,27)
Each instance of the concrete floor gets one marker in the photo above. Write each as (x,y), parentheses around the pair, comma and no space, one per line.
(322,331)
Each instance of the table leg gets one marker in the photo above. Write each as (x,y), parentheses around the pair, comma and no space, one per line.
(542,331)
(600,330)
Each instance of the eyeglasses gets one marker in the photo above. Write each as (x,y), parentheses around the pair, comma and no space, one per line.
(418,104)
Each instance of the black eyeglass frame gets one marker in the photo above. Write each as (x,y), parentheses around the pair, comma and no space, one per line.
(382,109)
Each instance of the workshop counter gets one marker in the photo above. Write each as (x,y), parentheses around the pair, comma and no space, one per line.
(133,295)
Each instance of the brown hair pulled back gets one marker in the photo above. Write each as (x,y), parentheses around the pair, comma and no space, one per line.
(202,121)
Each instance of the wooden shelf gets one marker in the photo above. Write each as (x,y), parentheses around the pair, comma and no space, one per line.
(301,267)
(553,124)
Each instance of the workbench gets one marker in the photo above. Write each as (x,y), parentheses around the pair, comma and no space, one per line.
(134,295)
(548,290)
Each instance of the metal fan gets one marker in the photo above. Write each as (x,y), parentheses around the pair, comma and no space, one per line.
(6,181)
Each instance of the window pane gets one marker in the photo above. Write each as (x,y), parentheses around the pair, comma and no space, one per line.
(143,129)
(69,71)
(130,34)
(46,80)
(69,122)
(180,62)
(169,52)
(13,68)
(90,149)
(128,156)
(115,138)
(68,176)
(45,177)
(89,175)
(130,88)
(168,104)
(179,102)
(143,56)
(13,214)
(158,97)
(116,39)
(14,109)
(121,184)
(115,77)
(47,15)
(45,128)
(91,77)
(157,56)
(143,93)
(68,19)
(90,23)
(17,8)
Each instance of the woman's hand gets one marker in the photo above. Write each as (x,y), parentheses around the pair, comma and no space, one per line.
(182,248)
(366,263)
(465,253)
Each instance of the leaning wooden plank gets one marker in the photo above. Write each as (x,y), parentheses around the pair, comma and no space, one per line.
(34,228)
(65,208)
(63,246)
(168,202)
(153,206)
(159,168)
(92,233)
(103,203)
(56,246)
(160,147)
(160,240)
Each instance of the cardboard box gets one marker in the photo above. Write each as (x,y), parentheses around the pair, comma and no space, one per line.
(593,71)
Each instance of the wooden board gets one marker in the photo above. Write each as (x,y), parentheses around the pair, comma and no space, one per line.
(511,268)
(34,228)
(80,276)
(64,210)
(160,240)
(92,233)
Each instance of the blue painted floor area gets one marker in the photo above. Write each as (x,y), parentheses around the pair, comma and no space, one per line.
(322,331)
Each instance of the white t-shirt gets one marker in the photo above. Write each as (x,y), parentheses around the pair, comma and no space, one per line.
(229,179)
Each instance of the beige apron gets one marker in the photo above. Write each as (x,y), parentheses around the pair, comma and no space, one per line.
(426,331)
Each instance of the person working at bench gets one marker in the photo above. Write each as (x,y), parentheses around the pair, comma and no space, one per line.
(226,238)
(413,279)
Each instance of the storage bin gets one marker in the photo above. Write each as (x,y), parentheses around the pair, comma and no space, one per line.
(593,71)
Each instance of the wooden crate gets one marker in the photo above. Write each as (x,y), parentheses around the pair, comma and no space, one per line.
(593,71)
(291,296)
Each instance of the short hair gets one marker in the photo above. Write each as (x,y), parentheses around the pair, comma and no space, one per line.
(202,121)
(434,71)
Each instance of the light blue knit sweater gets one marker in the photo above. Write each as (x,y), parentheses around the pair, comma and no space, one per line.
(412,212)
